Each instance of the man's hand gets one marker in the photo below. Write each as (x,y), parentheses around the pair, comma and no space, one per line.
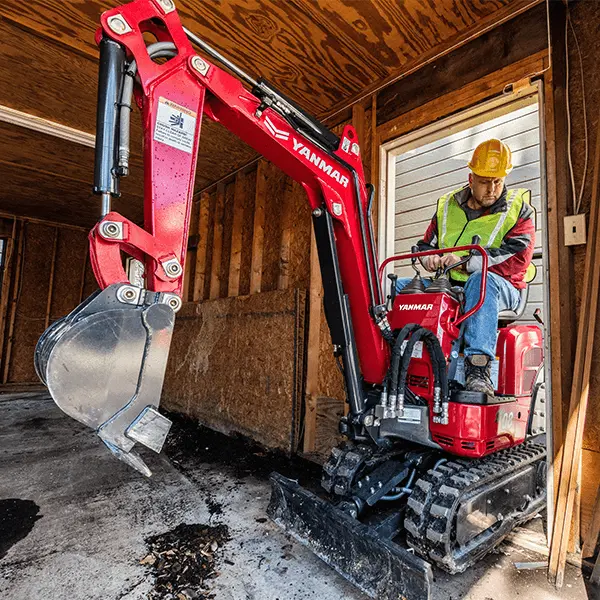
(437,261)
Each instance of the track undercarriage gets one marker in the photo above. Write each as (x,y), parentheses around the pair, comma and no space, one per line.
(449,511)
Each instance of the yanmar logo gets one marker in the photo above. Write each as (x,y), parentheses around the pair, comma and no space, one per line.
(315,159)
(415,307)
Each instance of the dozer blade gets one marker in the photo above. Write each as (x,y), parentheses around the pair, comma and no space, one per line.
(377,566)
(104,365)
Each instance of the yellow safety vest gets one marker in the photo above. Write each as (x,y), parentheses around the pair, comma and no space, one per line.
(455,230)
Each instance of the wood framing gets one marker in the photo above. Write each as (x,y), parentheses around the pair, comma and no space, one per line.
(283,279)
(315,301)
(51,282)
(16,279)
(200,272)
(571,455)
(8,262)
(469,64)
(460,99)
(593,532)
(215,265)
(259,228)
(235,261)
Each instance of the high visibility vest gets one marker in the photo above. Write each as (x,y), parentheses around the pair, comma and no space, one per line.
(455,230)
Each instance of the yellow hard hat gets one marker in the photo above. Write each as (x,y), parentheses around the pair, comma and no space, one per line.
(491,158)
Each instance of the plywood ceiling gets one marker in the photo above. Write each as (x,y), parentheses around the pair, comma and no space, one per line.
(322,53)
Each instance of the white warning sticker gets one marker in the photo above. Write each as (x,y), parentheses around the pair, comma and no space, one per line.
(175,125)
(411,415)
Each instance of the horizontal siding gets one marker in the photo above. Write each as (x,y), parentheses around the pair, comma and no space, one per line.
(425,173)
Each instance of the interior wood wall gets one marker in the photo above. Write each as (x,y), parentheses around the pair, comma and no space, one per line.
(585,18)
(251,234)
(45,275)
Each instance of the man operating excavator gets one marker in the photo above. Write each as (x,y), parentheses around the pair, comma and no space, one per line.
(503,219)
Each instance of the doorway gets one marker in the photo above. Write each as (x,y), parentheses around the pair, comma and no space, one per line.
(421,166)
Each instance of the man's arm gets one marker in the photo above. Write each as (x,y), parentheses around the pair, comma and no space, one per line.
(430,239)
(513,256)
(430,242)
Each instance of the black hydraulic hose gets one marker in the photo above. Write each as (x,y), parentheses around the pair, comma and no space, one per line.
(405,361)
(438,362)
(397,355)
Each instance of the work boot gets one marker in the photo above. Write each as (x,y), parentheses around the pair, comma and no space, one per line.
(477,374)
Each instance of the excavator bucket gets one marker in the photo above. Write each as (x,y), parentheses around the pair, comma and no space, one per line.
(104,365)
(362,554)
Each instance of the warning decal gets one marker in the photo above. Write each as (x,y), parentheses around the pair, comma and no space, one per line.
(175,125)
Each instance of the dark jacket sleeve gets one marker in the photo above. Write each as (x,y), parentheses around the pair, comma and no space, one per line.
(430,239)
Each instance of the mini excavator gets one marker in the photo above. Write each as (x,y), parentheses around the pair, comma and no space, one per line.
(429,472)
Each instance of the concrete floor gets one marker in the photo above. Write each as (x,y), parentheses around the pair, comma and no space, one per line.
(96,513)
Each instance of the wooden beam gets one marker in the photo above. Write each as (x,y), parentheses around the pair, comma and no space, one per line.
(7,268)
(187,275)
(561,323)
(200,274)
(215,267)
(586,330)
(358,122)
(235,261)
(285,248)
(16,280)
(591,537)
(460,99)
(315,302)
(51,278)
(259,228)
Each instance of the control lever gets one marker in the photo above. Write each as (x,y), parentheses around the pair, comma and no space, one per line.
(414,260)
(475,241)
(537,315)
(393,289)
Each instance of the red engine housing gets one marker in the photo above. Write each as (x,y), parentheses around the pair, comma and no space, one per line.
(474,430)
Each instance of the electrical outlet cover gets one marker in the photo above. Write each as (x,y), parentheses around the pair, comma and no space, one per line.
(575,233)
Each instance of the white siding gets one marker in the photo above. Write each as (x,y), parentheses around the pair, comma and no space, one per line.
(425,173)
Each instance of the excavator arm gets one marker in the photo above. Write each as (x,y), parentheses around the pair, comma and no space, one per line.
(104,363)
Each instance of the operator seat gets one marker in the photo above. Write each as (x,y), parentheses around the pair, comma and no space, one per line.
(506,317)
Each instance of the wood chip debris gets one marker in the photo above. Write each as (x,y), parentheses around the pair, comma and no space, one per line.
(183,559)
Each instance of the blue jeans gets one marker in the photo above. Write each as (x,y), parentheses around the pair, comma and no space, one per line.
(481,329)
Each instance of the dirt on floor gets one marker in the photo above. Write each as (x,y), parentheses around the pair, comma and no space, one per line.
(83,526)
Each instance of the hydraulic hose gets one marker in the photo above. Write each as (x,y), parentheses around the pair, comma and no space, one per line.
(157,50)
(403,490)
(392,376)
(438,362)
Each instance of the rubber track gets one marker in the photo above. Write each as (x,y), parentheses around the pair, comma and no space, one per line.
(436,499)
